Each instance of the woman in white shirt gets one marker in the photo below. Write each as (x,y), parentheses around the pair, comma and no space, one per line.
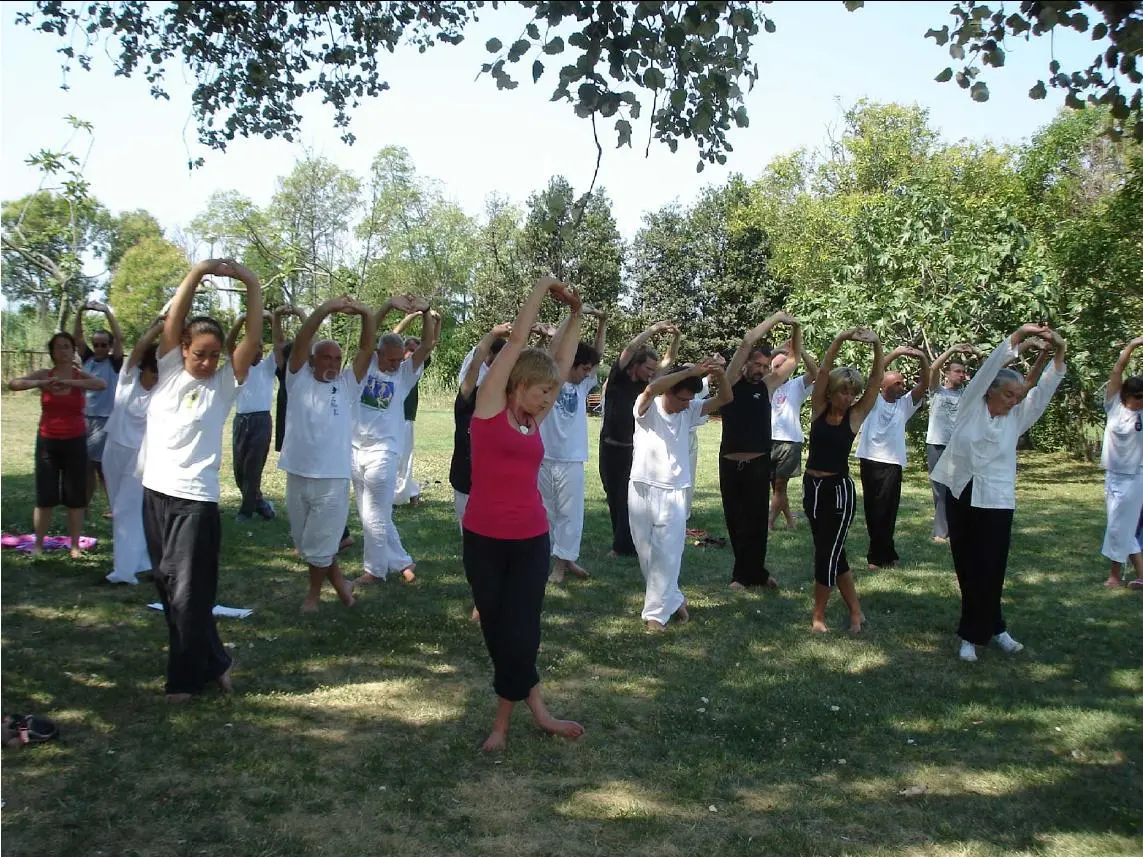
(1122,458)
(979,468)
(125,429)
(182,452)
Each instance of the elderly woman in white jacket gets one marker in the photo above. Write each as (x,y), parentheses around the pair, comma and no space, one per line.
(979,468)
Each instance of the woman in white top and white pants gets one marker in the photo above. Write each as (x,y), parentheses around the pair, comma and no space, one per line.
(182,450)
(1122,458)
(979,468)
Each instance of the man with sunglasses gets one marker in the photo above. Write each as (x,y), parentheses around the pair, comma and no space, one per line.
(103,359)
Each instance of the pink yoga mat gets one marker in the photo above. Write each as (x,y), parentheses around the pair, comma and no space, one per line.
(27,542)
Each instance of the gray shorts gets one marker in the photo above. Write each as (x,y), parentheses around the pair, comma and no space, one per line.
(96,438)
(785,459)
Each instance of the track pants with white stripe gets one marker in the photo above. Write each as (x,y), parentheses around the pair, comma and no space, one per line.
(828,502)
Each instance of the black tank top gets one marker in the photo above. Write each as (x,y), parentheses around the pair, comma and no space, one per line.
(746,420)
(830,445)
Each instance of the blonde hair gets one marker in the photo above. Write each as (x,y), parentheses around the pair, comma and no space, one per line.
(533,366)
(844,377)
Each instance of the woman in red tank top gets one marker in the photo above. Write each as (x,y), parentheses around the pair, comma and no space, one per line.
(506,544)
(61,443)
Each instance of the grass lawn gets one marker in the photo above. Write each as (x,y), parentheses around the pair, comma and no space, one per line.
(356,732)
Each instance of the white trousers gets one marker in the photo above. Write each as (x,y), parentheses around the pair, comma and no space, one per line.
(460,501)
(318,509)
(374,478)
(1124,495)
(407,488)
(125,490)
(659,530)
(694,450)
(561,487)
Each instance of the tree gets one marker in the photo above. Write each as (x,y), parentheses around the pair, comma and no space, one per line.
(253,62)
(145,278)
(127,230)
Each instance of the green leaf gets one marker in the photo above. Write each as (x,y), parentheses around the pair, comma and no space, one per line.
(979,91)
(956,52)
(654,79)
(769,26)
(493,46)
(1099,32)
(945,76)
(533,31)
(537,70)
(940,36)
(555,46)
(518,49)
(623,127)
(854,5)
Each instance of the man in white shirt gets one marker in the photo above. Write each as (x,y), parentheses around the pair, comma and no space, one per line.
(564,433)
(316,449)
(660,475)
(378,438)
(786,436)
(252,428)
(881,453)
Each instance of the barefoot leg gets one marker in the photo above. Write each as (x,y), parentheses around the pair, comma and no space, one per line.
(849,594)
(559,570)
(498,738)
(821,599)
(563,728)
(41,520)
(310,604)
(341,586)
(1116,577)
(577,570)
(75,530)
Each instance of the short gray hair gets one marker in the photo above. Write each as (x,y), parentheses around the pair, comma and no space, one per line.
(844,377)
(391,340)
(1005,377)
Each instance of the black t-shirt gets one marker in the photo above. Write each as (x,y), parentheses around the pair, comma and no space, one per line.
(746,420)
(619,406)
(830,445)
(413,399)
(460,470)
(280,408)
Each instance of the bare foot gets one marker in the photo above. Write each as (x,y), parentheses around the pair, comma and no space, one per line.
(681,615)
(940,540)
(563,728)
(415,501)
(76,553)
(224,682)
(736,586)
(578,570)
(366,579)
(345,593)
(475,615)
(310,605)
(856,626)
(107,514)
(771,583)
(556,576)
(819,626)
(1112,582)
(656,626)
(178,697)
(495,742)
(346,542)
(408,573)
(1137,583)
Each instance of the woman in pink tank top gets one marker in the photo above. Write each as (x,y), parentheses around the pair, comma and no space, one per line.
(506,543)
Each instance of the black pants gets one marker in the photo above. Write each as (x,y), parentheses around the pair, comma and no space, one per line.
(508,578)
(745,489)
(615,473)
(184,538)
(61,472)
(881,495)
(251,434)
(829,503)
(979,539)
(940,493)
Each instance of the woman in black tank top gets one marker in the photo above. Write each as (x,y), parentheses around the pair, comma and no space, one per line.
(828,495)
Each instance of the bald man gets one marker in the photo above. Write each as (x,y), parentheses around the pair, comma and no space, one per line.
(881,454)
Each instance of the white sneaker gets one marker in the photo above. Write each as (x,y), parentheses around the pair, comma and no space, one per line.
(1007,644)
(967,651)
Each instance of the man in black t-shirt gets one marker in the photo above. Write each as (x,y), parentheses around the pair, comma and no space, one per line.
(636,367)
(744,455)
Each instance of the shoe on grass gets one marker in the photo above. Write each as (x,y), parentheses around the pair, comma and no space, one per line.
(967,652)
(1008,644)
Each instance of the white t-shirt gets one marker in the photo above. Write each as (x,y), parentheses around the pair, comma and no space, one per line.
(564,430)
(319,431)
(703,395)
(661,456)
(380,411)
(883,432)
(943,405)
(480,373)
(786,410)
(128,420)
(183,447)
(1122,438)
(257,394)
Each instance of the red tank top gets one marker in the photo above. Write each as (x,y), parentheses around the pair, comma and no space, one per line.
(61,416)
(505,500)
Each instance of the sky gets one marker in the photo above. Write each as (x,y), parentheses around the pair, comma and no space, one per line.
(477,140)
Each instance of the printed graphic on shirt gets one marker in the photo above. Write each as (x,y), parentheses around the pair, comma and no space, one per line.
(568,402)
(334,401)
(780,397)
(948,404)
(377,394)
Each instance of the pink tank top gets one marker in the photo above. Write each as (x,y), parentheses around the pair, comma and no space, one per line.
(505,500)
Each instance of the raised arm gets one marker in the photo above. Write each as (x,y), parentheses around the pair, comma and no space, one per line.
(738,361)
(565,351)
(1036,399)
(116,332)
(277,334)
(232,334)
(300,354)
(725,390)
(365,341)
(248,350)
(818,399)
(671,355)
(430,336)
(938,365)
(864,405)
(1115,379)
(1037,370)
(181,303)
(81,346)
(639,341)
(479,355)
(601,329)
(665,382)
(145,341)
(492,396)
(776,378)
(404,323)
(811,366)
(924,378)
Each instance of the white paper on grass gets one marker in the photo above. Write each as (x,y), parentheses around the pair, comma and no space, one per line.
(219,610)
